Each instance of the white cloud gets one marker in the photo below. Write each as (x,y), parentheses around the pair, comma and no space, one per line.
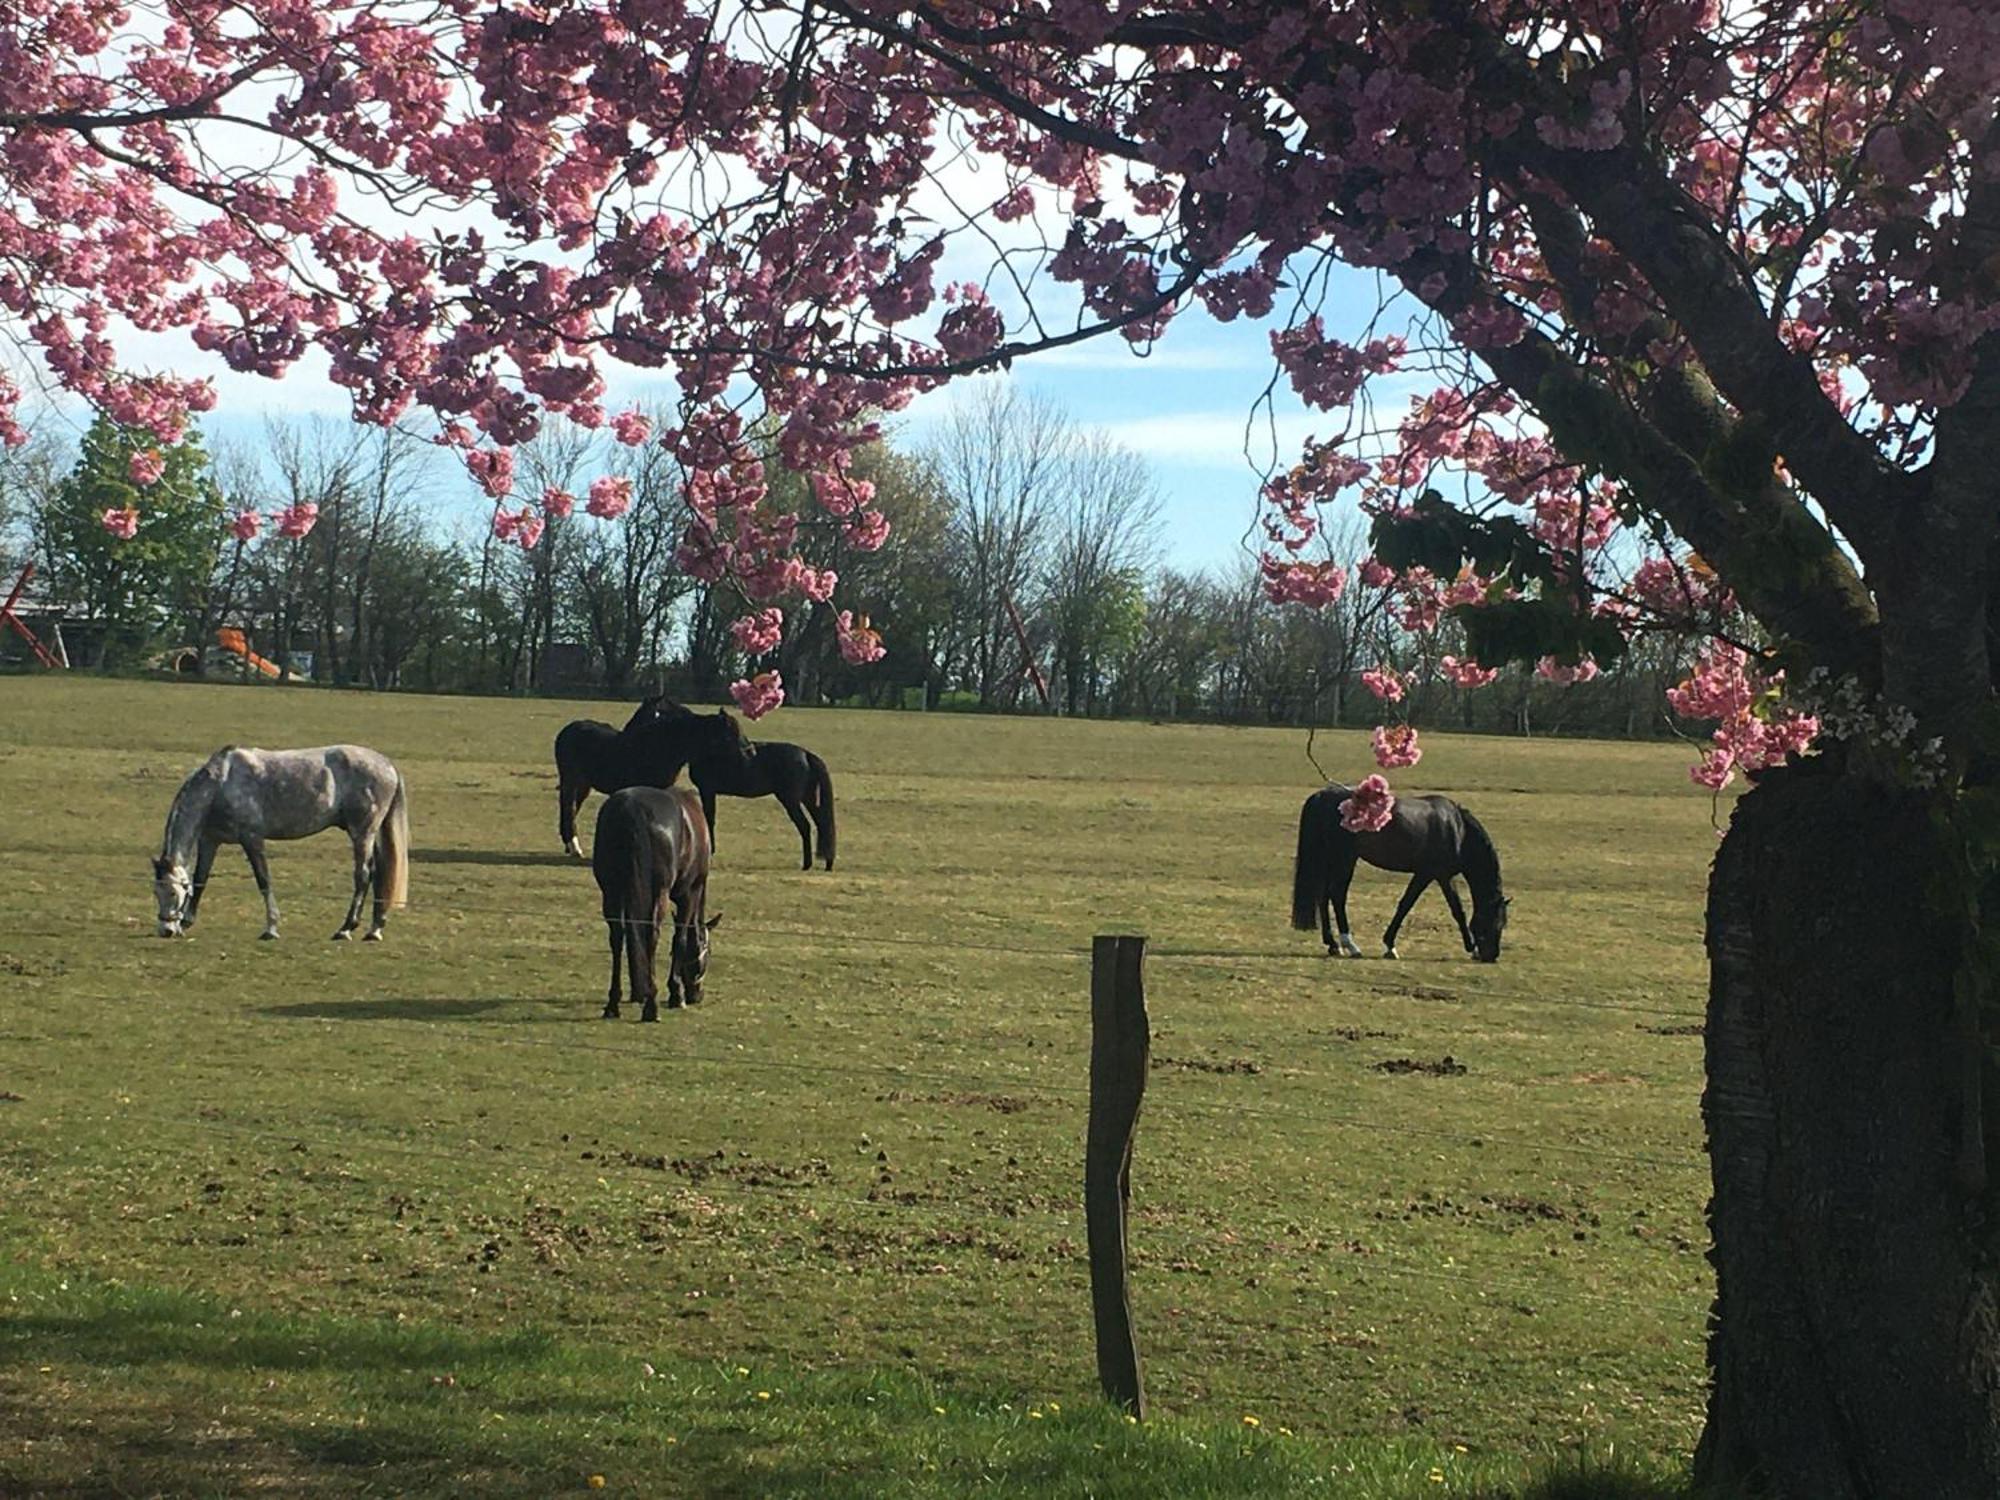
(1228,437)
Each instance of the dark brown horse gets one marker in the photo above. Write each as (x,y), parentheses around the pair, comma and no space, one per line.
(771,768)
(794,775)
(651,750)
(1431,838)
(651,850)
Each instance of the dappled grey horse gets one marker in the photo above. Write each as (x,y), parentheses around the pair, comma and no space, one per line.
(651,851)
(247,796)
(1432,838)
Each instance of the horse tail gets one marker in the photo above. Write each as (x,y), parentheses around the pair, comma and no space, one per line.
(392,850)
(1309,864)
(822,807)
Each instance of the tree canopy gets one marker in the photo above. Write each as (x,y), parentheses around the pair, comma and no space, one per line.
(1725,275)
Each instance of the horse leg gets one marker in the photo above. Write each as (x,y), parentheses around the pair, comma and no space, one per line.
(708,816)
(1339,878)
(650,1011)
(641,937)
(616,930)
(571,794)
(363,867)
(378,869)
(802,823)
(204,861)
(1414,890)
(253,850)
(1457,911)
(687,912)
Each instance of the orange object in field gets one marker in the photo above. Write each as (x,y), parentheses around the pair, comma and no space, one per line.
(229,638)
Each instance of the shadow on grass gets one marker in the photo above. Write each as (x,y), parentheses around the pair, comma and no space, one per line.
(420,1008)
(493,857)
(134,1390)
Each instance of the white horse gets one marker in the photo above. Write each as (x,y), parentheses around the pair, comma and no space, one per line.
(247,796)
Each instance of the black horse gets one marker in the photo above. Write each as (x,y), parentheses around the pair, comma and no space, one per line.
(651,850)
(793,774)
(651,750)
(1432,838)
(772,768)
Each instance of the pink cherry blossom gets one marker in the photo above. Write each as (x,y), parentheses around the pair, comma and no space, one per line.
(1565,674)
(859,645)
(759,695)
(866,530)
(1396,745)
(492,469)
(1467,674)
(1368,806)
(557,504)
(147,465)
(610,496)
(1385,683)
(122,522)
(631,427)
(759,632)
(245,525)
(297,520)
(528,529)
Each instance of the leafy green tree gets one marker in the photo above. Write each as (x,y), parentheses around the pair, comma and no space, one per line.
(135,588)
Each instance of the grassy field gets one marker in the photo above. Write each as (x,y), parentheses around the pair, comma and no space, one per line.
(378,1219)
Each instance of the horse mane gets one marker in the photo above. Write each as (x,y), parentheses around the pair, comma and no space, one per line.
(190,807)
(1477,857)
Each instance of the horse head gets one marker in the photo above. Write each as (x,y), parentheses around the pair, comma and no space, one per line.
(1489,920)
(694,955)
(658,709)
(172,888)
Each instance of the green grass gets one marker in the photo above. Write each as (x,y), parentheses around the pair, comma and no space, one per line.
(853,1172)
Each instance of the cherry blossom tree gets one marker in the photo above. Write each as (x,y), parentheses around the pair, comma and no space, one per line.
(1722,281)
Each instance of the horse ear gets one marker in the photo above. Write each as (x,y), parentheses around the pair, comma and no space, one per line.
(713,922)
(160,869)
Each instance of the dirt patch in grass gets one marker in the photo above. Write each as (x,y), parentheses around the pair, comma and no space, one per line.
(1000,1104)
(1442,1067)
(1220,1065)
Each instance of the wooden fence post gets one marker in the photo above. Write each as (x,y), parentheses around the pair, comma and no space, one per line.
(1120,1053)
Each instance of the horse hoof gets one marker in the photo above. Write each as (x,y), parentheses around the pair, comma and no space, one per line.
(1388,952)
(373,937)
(268,937)
(610,1013)
(650,1014)
(573,849)
(343,935)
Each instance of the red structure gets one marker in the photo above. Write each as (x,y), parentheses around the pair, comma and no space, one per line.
(8,616)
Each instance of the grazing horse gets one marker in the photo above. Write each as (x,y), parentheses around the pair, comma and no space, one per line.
(1432,838)
(247,796)
(652,849)
(791,773)
(651,750)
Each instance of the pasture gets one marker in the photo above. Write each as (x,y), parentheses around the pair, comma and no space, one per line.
(334,1218)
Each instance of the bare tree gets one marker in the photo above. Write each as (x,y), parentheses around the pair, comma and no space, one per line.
(1093,583)
(1000,456)
(623,578)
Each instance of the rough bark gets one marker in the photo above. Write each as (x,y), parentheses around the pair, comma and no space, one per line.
(1855,1348)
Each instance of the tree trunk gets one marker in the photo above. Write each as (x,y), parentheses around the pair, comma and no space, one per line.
(1855,1350)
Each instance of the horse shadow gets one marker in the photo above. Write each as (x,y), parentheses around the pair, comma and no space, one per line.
(423,1008)
(490,857)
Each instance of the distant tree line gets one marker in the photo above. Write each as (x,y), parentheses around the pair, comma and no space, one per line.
(1024,558)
